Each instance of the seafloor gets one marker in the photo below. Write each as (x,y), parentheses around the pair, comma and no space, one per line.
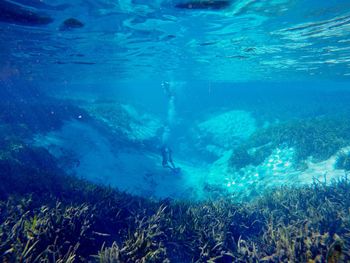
(49,214)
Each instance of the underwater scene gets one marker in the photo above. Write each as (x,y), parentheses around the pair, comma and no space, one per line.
(183,131)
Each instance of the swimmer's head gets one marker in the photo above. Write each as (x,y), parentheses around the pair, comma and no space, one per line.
(167,89)
(165,85)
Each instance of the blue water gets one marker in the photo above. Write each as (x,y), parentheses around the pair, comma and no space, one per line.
(91,92)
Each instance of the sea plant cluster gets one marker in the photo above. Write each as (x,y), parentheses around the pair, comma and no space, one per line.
(343,161)
(48,216)
(317,138)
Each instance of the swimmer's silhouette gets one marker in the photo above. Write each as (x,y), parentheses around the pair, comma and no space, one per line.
(167,159)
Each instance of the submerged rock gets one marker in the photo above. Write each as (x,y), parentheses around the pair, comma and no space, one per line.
(71,23)
(127,121)
(207,4)
(16,14)
(222,130)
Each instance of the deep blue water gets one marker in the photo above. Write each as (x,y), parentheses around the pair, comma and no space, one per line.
(86,79)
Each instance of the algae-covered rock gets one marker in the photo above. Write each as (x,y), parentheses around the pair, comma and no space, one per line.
(126,120)
(223,130)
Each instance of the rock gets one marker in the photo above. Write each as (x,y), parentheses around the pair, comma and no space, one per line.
(207,4)
(227,128)
(126,120)
(71,23)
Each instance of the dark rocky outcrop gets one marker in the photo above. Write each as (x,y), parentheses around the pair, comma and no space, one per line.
(71,23)
(207,4)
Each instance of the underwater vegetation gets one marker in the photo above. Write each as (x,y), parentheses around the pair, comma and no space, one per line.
(318,138)
(125,121)
(343,161)
(48,216)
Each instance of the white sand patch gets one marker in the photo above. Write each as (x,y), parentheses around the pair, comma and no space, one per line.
(220,170)
(323,170)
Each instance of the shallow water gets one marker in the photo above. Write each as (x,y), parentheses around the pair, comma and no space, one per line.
(249,96)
